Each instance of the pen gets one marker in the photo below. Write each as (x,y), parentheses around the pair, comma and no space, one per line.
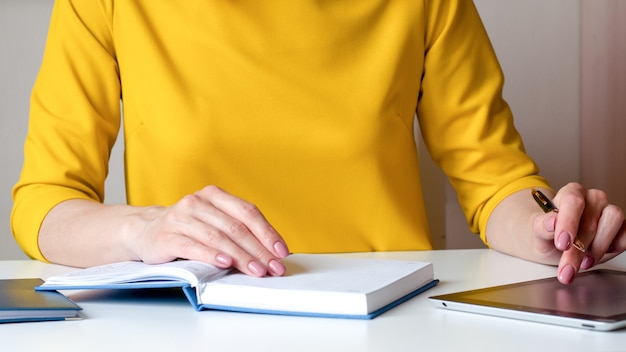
(547,206)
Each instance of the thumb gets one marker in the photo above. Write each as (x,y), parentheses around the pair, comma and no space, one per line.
(544,226)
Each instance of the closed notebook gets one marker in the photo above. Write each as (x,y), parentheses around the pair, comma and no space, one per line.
(19,302)
(314,285)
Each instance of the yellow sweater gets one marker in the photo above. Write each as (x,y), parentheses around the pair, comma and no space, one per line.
(304,108)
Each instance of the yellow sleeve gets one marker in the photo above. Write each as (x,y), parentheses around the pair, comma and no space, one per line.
(467,126)
(74,118)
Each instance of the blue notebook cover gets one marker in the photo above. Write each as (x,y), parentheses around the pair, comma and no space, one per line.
(19,302)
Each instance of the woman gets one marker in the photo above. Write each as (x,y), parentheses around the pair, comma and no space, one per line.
(303,109)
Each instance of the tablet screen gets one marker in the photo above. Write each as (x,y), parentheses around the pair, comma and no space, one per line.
(598,295)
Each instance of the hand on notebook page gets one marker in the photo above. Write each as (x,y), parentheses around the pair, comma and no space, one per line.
(210,225)
(216,227)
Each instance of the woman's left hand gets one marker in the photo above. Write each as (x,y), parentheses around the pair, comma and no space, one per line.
(586,215)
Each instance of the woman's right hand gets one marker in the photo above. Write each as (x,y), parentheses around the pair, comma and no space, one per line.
(212,226)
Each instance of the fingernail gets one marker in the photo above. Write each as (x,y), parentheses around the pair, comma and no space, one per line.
(224,259)
(567,274)
(277,267)
(257,269)
(281,249)
(587,262)
(563,241)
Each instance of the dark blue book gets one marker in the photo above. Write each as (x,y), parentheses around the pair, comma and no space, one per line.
(19,302)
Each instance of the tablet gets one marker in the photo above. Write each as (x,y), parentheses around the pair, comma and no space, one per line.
(596,300)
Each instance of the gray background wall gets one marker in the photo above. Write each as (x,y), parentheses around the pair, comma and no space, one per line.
(537,41)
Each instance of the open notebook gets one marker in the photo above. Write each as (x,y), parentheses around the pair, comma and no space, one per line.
(314,285)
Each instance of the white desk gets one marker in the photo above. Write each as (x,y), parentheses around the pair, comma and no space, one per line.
(165,321)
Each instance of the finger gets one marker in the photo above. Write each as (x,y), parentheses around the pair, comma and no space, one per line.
(179,246)
(201,241)
(569,265)
(233,235)
(544,226)
(571,203)
(235,239)
(608,237)
(192,250)
(191,229)
(619,242)
(588,214)
(250,216)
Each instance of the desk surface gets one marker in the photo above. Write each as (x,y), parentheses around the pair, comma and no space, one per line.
(165,321)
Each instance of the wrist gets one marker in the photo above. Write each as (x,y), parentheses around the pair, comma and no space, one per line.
(135,228)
